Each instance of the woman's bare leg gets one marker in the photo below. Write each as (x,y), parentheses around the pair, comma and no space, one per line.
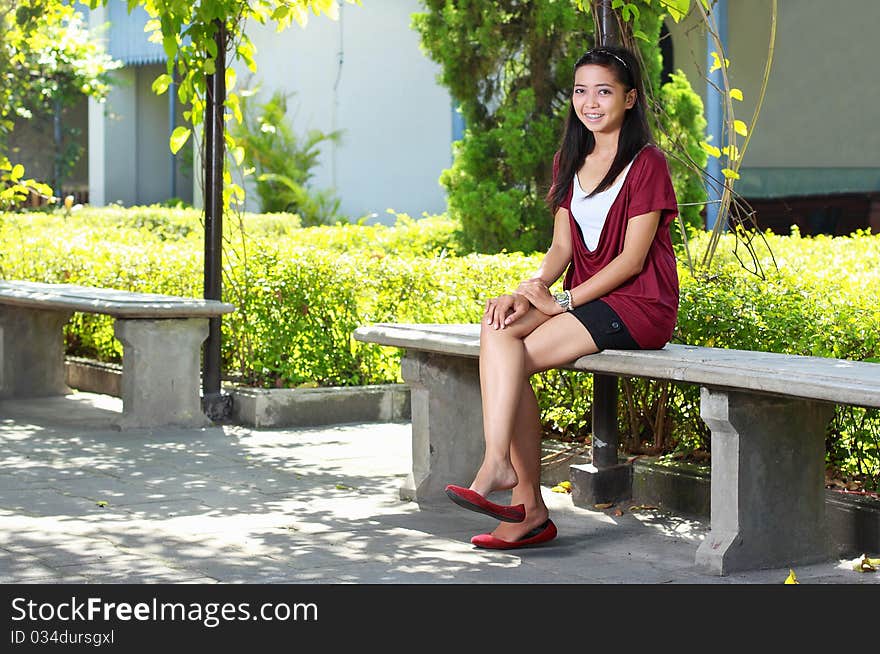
(502,373)
(555,342)
(525,454)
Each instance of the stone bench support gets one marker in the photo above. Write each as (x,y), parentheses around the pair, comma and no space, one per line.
(32,352)
(767,488)
(447,423)
(161,337)
(161,370)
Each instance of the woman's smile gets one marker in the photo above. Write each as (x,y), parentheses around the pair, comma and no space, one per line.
(599,99)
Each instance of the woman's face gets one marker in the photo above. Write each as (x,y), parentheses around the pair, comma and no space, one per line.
(599,100)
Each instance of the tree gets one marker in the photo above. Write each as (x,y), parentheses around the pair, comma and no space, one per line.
(50,63)
(623,18)
(40,67)
(508,64)
(197,36)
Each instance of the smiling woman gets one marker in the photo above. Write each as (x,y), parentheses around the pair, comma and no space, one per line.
(612,242)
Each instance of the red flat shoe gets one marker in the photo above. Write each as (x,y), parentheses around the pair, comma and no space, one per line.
(475,502)
(541,534)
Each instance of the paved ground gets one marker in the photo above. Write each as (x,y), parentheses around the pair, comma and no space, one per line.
(83,503)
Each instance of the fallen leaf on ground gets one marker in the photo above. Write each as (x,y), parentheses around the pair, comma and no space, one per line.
(603,505)
(865,564)
(562,487)
(791,578)
(618,513)
(643,507)
(101,503)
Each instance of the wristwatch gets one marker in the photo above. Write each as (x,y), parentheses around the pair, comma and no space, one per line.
(563,299)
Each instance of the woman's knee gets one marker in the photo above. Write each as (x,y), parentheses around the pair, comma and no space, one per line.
(489,333)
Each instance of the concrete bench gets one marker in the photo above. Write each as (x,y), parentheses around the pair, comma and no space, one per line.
(161,337)
(767,414)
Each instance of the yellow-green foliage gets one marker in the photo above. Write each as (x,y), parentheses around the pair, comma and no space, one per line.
(824,299)
(300,292)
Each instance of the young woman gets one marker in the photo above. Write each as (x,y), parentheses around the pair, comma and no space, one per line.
(613,202)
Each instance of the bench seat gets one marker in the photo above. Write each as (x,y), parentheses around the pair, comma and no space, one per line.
(161,337)
(817,378)
(109,301)
(767,413)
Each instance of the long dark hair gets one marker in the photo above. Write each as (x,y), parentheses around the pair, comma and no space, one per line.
(578,141)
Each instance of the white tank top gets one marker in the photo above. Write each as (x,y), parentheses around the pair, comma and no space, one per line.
(591,213)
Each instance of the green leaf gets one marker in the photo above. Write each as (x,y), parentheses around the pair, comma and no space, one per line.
(169,44)
(17,172)
(731,151)
(710,149)
(678,9)
(716,62)
(283,11)
(232,101)
(630,12)
(161,83)
(210,67)
(740,127)
(736,94)
(246,51)
(729,174)
(178,137)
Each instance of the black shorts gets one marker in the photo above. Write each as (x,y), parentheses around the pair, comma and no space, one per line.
(605,326)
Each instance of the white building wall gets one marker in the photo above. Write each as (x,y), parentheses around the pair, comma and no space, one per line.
(395,117)
(120,140)
(819,109)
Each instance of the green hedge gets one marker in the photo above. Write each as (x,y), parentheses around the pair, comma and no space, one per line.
(300,292)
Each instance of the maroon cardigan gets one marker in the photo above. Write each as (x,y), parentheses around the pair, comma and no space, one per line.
(648,302)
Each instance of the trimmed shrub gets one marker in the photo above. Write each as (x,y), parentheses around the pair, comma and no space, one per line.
(300,292)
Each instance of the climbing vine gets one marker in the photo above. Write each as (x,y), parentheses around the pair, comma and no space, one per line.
(733,209)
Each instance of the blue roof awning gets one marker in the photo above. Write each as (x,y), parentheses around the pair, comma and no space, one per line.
(127,40)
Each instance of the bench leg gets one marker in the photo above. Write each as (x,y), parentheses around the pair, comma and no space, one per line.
(447,423)
(32,352)
(605,479)
(767,481)
(161,372)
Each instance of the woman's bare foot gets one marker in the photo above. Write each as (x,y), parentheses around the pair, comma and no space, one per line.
(494,477)
(512,532)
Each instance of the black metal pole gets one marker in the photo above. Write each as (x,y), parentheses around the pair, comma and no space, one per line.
(607,28)
(605,433)
(213,403)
